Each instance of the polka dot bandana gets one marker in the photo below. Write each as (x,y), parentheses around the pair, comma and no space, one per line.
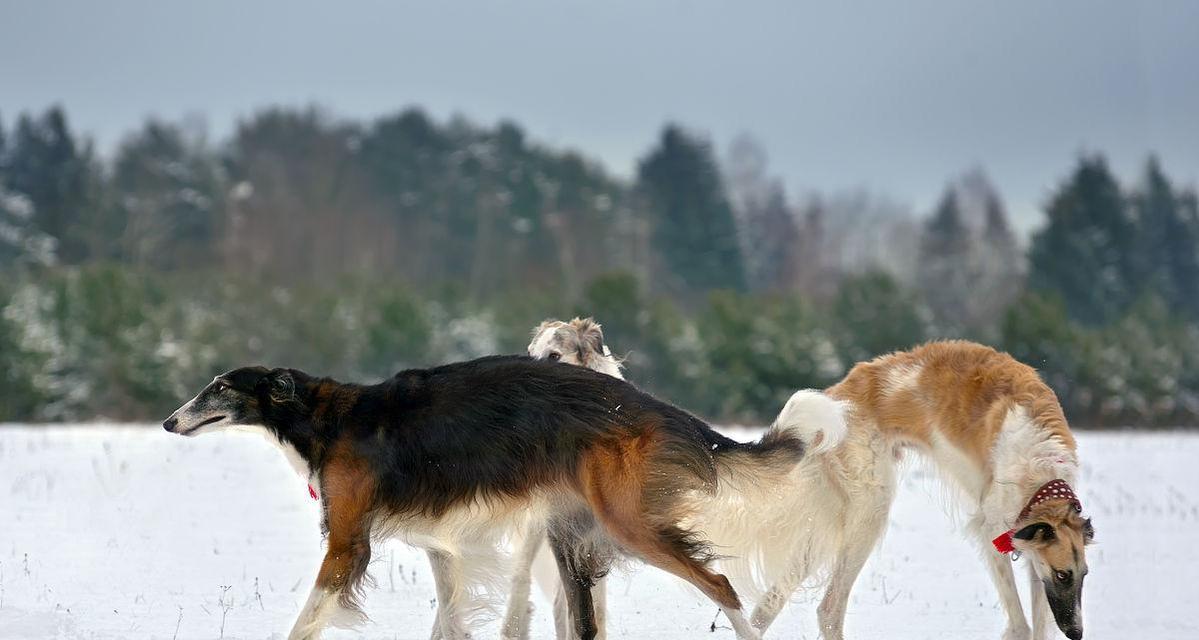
(1052,490)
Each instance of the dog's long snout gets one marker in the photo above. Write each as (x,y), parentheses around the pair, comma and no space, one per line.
(170,423)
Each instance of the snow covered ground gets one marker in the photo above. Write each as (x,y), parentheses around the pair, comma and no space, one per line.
(128,532)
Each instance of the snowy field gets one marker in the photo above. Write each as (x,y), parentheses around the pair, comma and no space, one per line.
(128,532)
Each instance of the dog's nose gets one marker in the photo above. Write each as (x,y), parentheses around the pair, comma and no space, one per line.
(170,423)
(1074,633)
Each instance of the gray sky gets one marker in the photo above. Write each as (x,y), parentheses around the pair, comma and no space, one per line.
(894,96)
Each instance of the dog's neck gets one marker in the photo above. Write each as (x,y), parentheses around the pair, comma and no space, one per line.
(1025,457)
(304,429)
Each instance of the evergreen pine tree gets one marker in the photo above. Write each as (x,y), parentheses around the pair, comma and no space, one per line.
(694,231)
(1167,248)
(170,198)
(1085,252)
(20,241)
(47,166)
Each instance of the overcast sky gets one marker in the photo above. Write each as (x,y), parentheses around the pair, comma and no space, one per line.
(894,96)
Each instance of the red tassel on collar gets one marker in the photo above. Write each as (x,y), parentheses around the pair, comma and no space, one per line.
(312,492)
(1053,490)
(1003,542)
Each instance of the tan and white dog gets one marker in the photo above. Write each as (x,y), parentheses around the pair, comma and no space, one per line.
(994,430)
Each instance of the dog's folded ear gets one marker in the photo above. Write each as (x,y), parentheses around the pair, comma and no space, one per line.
(279,385)
(591,335)
(1036,532)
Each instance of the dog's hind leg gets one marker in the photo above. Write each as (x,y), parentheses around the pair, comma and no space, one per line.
(865,523)
(447,581)
(775,599)
(831,611)
(614,487)
(516,622)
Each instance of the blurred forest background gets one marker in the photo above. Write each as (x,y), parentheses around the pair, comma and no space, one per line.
(355,249)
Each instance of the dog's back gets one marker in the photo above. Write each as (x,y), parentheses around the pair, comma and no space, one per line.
(505,426)
(953,392)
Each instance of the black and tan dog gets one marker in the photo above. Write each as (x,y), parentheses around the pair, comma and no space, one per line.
(459,452)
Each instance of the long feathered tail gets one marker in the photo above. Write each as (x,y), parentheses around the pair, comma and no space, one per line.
(811,423)
(764,516)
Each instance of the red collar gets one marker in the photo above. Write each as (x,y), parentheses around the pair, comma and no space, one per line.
(1053,490)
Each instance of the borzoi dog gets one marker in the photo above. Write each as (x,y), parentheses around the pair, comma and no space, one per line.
(448,456)
(748,522)
(995,431)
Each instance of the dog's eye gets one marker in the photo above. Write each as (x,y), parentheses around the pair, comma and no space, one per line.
(219,387)
(554,356)
(1062,576)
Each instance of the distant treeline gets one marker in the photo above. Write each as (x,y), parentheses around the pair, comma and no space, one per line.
(356,249)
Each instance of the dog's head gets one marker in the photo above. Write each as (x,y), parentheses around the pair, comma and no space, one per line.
(1054,537)
(579,342)
(243,398)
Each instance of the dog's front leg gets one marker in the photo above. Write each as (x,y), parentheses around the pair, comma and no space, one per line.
(1003,577)
(516,623)
(577,580)
(1042,629)
(334,597)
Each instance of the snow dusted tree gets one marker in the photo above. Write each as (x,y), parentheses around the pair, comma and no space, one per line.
(768,233)
(946,275)
(970,262)
(60,179)
(996,260)
(814,271)
(170,195)
(20,240)
(863,232)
